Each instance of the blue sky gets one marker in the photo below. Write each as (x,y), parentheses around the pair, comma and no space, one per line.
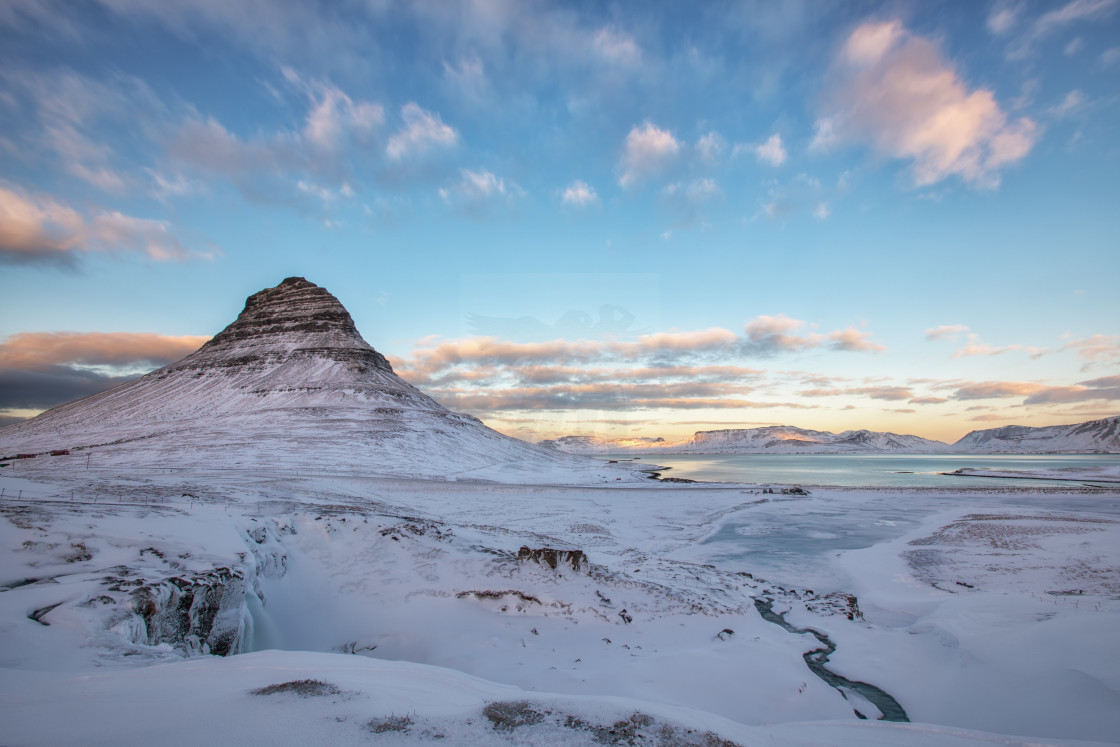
(622,219)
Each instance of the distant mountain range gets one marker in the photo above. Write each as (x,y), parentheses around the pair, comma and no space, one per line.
(1096,436)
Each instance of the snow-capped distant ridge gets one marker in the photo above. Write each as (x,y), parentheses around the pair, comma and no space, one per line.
(1094,436)
(774,439)
(289,382)
(598,444)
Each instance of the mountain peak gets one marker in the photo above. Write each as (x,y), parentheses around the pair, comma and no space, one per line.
(295,317)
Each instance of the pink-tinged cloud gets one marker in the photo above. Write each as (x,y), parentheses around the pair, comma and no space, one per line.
(40,350)
(1106,388)
(996,390)
(706,339)
(945,331)
(927,401)
(894,90)
(1096,348)
(888,393)
(647,151)
(771,332)
(853,340)
(38,228)
(975,347)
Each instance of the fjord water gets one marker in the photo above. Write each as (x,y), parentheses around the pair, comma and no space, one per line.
(874,470)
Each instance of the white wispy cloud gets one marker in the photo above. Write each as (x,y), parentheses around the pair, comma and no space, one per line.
(422,131)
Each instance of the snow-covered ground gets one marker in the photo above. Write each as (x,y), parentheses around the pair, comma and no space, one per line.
(412,605)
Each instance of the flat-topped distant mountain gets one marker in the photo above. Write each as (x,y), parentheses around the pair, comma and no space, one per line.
(600,444)
(1094,436)
(289,384)
(777,439)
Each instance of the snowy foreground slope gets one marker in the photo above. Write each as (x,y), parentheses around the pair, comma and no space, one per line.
(290,381)
(412,608)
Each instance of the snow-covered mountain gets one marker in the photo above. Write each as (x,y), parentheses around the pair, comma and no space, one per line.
(778,439)
(600,444)
(1092,436)
(290,382)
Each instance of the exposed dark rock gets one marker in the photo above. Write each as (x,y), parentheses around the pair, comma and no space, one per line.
(201,614)
(508,715)
(303,688)
(547,556)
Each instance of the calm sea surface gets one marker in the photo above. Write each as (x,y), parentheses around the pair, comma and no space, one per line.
(883,470)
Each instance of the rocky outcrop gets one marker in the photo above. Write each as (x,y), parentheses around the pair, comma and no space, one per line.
(550,558)
(201,614)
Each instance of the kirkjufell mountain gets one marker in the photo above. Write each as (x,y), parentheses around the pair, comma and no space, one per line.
(290,383)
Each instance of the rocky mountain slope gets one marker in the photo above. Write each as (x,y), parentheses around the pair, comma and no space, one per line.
(779,439)
(1092,436)
(289,383)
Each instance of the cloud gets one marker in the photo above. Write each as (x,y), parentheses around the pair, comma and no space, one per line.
(339,137)
(927,401)
(975,347)
(1003,17)
(422,132)
(687,198)
(647,151)
(1073,103)
(39,370)
(477,191)
(1110,57)
(579,194)
(771,334)
(893,90)
(675,368)
(1095,349)
(39,229)
(888,393)
(41,350)
(1055,20)
(945,331)
(853,340)
(771,151)
(710,147)
(1107,388)
(996,390)
(617,47)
